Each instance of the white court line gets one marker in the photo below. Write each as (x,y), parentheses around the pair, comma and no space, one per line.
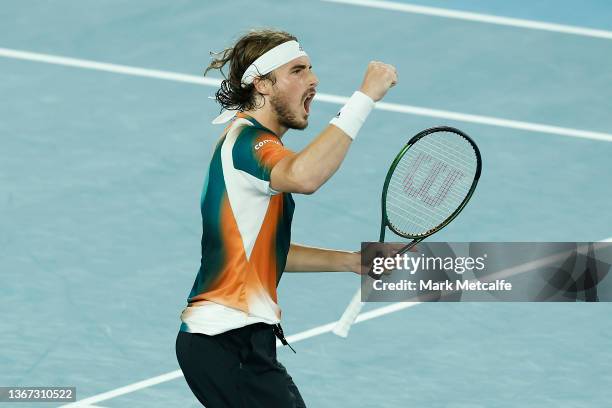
(479,17)
(335,99)
(103,66)
(294,338)
(126,389)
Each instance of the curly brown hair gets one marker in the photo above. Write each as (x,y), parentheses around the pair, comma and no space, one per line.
(247,49)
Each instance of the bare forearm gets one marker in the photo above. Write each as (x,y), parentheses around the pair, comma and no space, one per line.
(323,156)
(315,164)
(303,258)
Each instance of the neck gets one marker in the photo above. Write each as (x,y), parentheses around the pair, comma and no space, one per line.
(268,119)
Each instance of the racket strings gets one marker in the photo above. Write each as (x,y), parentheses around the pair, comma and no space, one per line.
(447,183)
(430,182)
(443,152)
(418,218)
(445,190)
(421,204)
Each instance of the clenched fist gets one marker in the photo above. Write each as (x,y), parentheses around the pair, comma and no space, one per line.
(379,77)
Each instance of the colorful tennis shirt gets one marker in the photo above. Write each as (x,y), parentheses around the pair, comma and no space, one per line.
(246,233)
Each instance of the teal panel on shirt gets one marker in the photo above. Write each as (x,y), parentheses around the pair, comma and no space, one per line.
(213,250)
(283,235)
(244,153)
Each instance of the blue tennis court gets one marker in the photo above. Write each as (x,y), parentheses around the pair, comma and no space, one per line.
(105,137)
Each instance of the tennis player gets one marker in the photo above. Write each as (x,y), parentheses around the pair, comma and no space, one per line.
(226,345)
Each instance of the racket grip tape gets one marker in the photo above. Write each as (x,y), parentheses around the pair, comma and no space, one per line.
(343,325)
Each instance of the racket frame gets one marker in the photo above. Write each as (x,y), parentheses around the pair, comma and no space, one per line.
(383,204)
(350,314)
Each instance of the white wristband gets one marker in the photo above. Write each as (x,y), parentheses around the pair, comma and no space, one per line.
(352,115)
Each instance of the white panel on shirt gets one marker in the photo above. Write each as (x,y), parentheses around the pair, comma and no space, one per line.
(212,318)
(249,196)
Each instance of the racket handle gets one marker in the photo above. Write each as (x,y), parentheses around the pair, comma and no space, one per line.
(343,325)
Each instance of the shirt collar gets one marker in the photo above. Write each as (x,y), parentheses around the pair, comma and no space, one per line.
(254,122)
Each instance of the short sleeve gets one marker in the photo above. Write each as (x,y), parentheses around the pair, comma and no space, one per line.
(256,152)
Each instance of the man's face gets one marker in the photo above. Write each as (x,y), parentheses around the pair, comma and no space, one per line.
(293,92)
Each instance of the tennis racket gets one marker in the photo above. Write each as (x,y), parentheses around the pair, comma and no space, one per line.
(428,184)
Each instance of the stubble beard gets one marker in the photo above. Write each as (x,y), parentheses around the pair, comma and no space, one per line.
(285,117)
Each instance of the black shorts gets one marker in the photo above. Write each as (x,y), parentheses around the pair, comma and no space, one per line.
(236,369)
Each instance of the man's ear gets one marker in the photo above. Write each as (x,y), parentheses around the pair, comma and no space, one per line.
(262,86)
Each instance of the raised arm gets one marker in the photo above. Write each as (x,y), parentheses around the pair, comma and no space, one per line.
(309,169)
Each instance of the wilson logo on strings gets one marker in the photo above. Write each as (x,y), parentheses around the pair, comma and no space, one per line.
(434,169)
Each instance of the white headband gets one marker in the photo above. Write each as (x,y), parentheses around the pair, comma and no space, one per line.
(268,62)
(274,58)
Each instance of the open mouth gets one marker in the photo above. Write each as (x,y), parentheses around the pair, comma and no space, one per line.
(307,102)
